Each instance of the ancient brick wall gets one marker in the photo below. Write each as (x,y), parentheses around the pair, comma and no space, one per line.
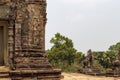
(29,34)
(26,32)
(26,40)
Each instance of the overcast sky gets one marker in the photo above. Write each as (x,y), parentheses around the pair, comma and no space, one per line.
(91,24)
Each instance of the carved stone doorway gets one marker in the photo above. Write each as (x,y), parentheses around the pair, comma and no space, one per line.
(3,43)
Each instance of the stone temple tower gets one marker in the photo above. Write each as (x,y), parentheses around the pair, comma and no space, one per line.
(22,40)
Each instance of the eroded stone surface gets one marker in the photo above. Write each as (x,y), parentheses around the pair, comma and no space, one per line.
(26,40)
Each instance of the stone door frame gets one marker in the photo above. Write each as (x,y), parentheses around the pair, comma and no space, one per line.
(5,25)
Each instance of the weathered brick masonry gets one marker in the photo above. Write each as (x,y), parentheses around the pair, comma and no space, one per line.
(26,40)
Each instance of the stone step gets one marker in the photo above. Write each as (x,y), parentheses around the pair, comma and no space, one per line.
(36,74)
(32,65)
(49,77)
(36,60)
(33,68)
(4,74)
(33,78)
(30,55)
(5,78)
(112,74)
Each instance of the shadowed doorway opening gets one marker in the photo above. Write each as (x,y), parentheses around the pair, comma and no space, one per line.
(3,43)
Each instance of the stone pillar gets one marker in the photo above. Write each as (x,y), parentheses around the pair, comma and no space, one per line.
(29,55)
(26,40)
(30,34)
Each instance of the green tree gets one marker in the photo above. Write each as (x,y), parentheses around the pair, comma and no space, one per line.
(79,57)
(63,54)
(62,51)
(105,58)
(115,47)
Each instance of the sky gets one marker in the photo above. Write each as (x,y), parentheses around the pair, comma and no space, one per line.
(91,24)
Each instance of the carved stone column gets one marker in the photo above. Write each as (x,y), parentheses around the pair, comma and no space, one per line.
(26,41)
(29,55)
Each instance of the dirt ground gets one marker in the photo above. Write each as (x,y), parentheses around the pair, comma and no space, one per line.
(77,76)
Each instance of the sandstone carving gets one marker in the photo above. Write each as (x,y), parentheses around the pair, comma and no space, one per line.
(26,40)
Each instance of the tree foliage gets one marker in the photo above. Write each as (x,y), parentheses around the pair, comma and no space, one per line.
(62,49)
(63,54)
(105,58)
(115,47)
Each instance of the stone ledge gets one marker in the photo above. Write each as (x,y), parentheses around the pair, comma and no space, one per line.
(37,74)
(37,71)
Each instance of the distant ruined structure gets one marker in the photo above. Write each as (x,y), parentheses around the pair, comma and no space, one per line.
(88,62)
(88,65)
(116,65)
(22,40)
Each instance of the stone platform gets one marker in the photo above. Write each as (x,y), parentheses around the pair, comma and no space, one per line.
(35,75)
(26,74)
(113,74)
(30,75)
(91,71)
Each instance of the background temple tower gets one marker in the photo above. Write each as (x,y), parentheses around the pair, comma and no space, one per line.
(25,50)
